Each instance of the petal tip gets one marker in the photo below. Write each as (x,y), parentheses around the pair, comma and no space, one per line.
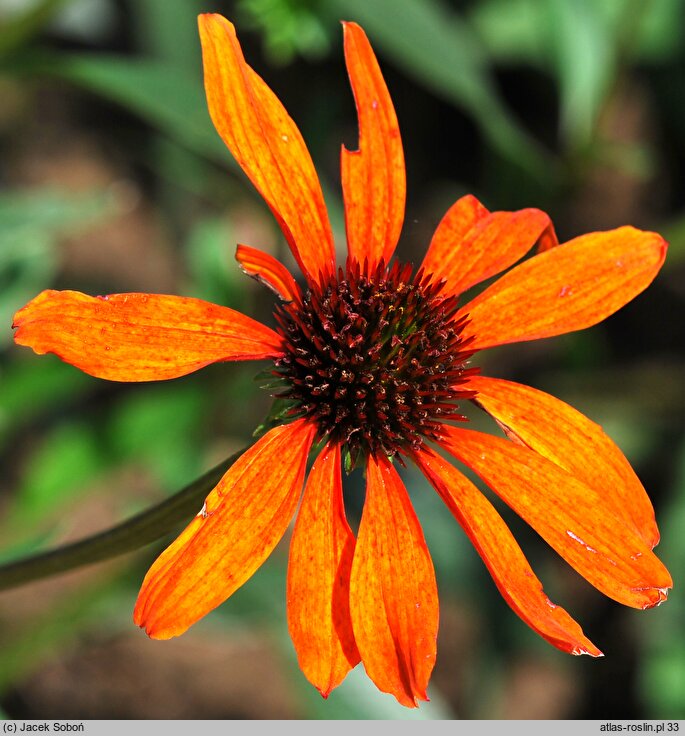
(416,698)
(205,19)
(594,652)
(351,26)
(657,596)
(664,247)
(658,240)
(324,691)
(153,629)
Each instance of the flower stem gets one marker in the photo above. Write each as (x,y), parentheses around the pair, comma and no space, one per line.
(130,535)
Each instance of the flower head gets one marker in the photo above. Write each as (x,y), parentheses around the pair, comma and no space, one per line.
(377,361)
(371,362)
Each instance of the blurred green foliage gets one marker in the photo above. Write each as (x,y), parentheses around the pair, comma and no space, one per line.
(31,224)
(135,85)
(289,27)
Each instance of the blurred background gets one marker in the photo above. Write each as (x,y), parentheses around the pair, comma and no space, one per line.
(112,179)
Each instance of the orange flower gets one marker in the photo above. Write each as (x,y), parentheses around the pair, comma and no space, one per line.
(372,363)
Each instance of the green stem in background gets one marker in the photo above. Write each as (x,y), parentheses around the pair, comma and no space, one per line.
(128,536)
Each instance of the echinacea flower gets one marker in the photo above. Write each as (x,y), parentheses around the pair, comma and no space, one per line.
(371,361)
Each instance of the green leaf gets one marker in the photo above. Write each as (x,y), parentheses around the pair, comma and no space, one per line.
(661,31)
(168,30)
(585,60)
(289,27)
(159,427)
(581,43)
(512,31)
(522,31)
(58,472)
(48,208)
(663,680)
(33,386)
(167,97)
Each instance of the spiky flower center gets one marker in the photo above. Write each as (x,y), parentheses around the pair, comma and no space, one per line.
(376,361)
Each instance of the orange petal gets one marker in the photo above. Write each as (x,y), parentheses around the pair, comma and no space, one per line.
(373,177)
(241,522)
(548,239)
(393,594)
(453,229)
(319,567)
(471,244)
(571,440)
(503,557)
(269,271)
(567,288)
(140,337)
(569,515)
(268,146)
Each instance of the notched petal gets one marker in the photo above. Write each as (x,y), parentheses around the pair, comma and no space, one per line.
(373,177)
